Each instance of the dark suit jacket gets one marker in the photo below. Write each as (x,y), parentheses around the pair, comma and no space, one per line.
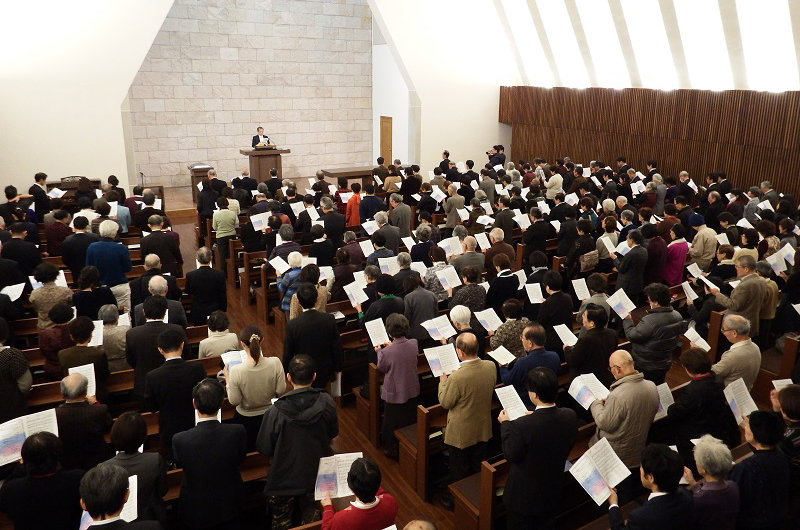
(168,389)
(334,227)
(139,285)
(667,512)
(81,427)
(505,219)
(702,409)
(501,289)
(141,351)
(24,253)
(556,309)
(212,491)
(631,270)
(535,238)
(137,525)
(80,355)
(257,140)
(140,218)
(175,314)
(21,500)
(590,354)
(207,288)
(567,235)
(11,273)
(536,446)
(165,247)
(316,335)
(73,251)
(41,202)
(392,234)
(303,225)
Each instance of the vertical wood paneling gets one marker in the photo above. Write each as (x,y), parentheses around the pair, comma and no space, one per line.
(752,136)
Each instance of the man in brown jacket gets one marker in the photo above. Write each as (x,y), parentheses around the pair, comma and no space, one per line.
(467,395)
(747,298)
(499,246)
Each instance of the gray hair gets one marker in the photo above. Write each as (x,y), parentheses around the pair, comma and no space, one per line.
(349,236)
(262,188)
(621,199)
(381,218)
(460,231)
(404,260)
(756,192)
(294,259)
(372,272)
(763,269)
(74,386)
(109,314)
(767,184)
(260,196)
(608,205)
(658,178)
(109,228)
(288,183)
(152,261)
(460,314)
(514,174)
(155,220)
(470,243)
(397,161)
(424,233)
(326,203)
(651,186)
(736,323)
(204,255)
(497,234)
(748,262)
(715,195)
(683,174)
(157,286)
(713,455)
(480,194)
(626,214)
(396,197)
(286,232)
(452,187)
(475,202)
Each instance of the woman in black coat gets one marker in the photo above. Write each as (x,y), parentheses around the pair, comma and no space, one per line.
(555,310)
(504,286)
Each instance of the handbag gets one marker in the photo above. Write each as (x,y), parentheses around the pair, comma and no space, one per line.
(589,260)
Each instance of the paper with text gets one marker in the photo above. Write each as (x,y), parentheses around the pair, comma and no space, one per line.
(581,289)
(534,291)
(695,338)
(691,294)
(586,388)
(483,240)
(355,293)
(665,399)
(620,303)
(13,291)
(442,359)
(232,358)
(502,355)
(389,265)
(739,400)
(280,265)
(780,384)
(448,277)
(14,432)
(377,332)
(511,402)
(598,470)
(566,335)
(332,475)
(489,319)
(87,370)
(439,328)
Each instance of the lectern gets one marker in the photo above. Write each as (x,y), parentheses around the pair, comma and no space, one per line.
(199,172)
(262,160)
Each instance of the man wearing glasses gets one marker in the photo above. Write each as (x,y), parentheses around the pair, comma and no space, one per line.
(743,359)
(747,297)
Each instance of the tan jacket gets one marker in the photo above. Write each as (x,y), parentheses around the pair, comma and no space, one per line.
(742,360)
(625,416)
(746,300)
(467,395)
(770,303)
(704,247)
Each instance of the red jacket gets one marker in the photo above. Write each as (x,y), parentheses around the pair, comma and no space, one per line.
(376,517)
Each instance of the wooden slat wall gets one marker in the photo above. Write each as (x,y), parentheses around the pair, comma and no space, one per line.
(752,136)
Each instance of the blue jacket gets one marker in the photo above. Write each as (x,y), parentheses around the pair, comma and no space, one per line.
(288,286)
(112,259)
(518,373)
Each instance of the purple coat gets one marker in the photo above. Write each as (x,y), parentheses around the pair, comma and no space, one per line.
(398,361)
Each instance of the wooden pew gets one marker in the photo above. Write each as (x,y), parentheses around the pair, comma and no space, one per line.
(763,384)
(417,442)
(234,260)
(250,273)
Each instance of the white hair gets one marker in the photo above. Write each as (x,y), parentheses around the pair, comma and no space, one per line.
(381,218)
(295,259)
(404,260)
(713,455)
(460,314)
(109,229)
(157,286)
(497,234)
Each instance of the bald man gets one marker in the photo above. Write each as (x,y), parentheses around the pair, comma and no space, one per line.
(470,257)
(420,524)
(467,395)
(625,416)
(82,424)
(158,286)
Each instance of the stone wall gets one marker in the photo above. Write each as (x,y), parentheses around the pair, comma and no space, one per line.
(220,68)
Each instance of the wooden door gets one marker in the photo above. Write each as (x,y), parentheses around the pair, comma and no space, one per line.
(386,138)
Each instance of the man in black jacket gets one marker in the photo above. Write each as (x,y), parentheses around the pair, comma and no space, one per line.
(334,222)
(536,445)
(536,235)
(668,506)
(41,202)
(212,491)
(163,244)
(168,389)
(304,221)
(314,334)
(631,267)
(207,288)
(141,217)
(295,433)
(23,252)
(504,218)
(104,491)
(139,286)
(74,247)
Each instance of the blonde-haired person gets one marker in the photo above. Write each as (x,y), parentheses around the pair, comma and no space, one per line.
(253,384)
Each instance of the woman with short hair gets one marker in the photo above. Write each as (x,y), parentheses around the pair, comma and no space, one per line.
(219,339)
(91,296)
(49,294)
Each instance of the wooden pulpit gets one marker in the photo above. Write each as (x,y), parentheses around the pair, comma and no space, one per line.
(262,160)
(199,171)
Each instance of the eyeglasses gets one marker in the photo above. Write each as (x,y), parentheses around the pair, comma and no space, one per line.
(611,367)
(723,330)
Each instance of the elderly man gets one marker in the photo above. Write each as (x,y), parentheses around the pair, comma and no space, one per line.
(516,374)
(148,208)
(471,257)
(390,233)
(152,267)
(333,220)
(400,216)
(286,233)
(207,288)
(625,416)
(113,260)
(404,262)
(661,194)
(175,315)
(743,359)
(769,194)
(354,249)
(498,246)
(164,245)
(453,203)
(82,424)
(747,298)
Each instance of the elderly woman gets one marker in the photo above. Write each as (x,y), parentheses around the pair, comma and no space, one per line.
(470,294)
(400,389)
(509,333)
(343,274)
(310,274)
(219,339)
(462,318)
(421,251)
(716,500)
(431,281)
(473,226)
(91,296)
(49,294)
(53,340)
(113,338)
(287,285)
(15,378)
(604,260)
(113,260)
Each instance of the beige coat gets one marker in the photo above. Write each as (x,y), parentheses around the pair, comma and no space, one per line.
(771,299)
(742,360)
(704,247)
(467,395)
(746,300)
(625,416)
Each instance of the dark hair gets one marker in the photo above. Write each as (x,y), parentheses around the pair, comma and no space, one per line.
(765,228)
(649,231)
(502,261)
(61,313)
(537,259)
(342,256)
(585,226)
(679,230)
(411,282)
(767,427)
(39,176)
(129,432)
(103,489)
(595,313)
(252,336)
(171,340)
(569,212)
(658,293)
(41,453)
(512,308)
(154,307)
(609,224)
(397,326)
(80,329)
(636,236)
(149,199)
(302,369)
(696,361)
(369,189)
(356,187)
(90,277)
(726,250)
(364,479)
(84,184)
(306,295)
(84,203)
(218,321)
(535,333)
(207,395)
(789,399)
(103,208)
(471,273)
(665,466)
(112,196)
(544,383)
(378,239)
(317,231)
(553,280)
(384,284)
(750,238)
(80,222)
(44,273)
(597,283)
(381,160)
(222,202)
(437,253)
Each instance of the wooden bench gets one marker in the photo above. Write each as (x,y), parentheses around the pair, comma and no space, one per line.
(250,272)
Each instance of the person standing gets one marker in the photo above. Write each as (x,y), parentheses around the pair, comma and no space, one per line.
(533,341)
(207,288)
(74,247)
(162,244)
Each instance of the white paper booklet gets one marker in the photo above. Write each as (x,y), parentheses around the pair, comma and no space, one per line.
(488,319)
(14,432)
(502,355)
(780,384)
(451,246)
(420,268)
(691,294)
(581,289)
(97,334)
(665,399)
(332,476)
(556,224)
(511,402)
(370,226)
(87,370)
(13,291)
(566,335)
(523,221)
(439,328)
(534,291)
(366,247)
(355,293)
(694,337)
(389,265)
(442,359)
(483,240)
(448,277)
(586,388)
(232,358)
(377,332)
(279,264)
(599,470)
(622,248)
(408,242)
(739,400)
(694,270)
(609,245)
(306,260)
(620,303)
(259,221)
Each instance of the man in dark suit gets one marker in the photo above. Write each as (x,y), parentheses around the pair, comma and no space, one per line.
(23,252)
(715,207)
(162,244)
(390,233)
(41,202)
(504,218)
(207,288)
(168,389)
(315,334)
(139,286)
(82,425)
(260,137)
(104,492)
(652,169)
(304,221)
(157,286)
(536,235)
(631,267)
(622,166)
(536,445)
(212,491)
(334,222)
(381,171)
(74,247)
(668,506)
(142,216)
(557,211)
(10,273)
(141,348)
(274,182)
(567,232)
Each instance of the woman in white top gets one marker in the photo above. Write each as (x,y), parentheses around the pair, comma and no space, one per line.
(253,384)
(219,338)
